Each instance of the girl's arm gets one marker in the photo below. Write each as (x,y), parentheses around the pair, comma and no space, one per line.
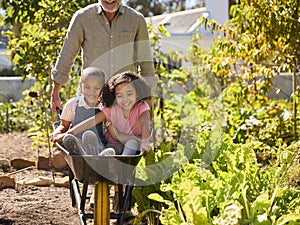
(144,139)
(117,135)
(88,123)
(62,128)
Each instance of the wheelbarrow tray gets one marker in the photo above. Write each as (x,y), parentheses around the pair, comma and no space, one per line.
(114,169)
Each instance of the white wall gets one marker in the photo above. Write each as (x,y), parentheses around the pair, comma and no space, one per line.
(182,43)
(11,88)
(5,62)
(218,10)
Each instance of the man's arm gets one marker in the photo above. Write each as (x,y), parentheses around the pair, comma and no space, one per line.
(70,49)
(144,54)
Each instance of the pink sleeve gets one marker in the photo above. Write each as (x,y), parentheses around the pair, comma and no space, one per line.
(143,107)
(106,111)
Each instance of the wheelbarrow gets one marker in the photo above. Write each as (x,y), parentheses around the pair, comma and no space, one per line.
(101,171)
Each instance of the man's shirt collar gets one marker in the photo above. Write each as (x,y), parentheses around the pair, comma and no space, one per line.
(100,10)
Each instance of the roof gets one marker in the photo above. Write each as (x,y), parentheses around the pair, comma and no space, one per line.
(180,23)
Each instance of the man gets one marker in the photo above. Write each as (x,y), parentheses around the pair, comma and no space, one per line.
(111,36)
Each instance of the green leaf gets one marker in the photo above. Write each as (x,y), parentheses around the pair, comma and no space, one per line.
(157,197)
(162,28)
(287,218)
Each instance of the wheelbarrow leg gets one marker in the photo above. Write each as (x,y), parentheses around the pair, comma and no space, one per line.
(78,201)
(83,195)
(71,177)
(125,202)
(102,204)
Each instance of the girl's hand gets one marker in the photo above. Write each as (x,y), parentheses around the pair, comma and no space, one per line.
(52,136)
(58,134)
(57,137)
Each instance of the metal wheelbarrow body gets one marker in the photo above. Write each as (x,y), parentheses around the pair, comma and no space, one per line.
(101,171)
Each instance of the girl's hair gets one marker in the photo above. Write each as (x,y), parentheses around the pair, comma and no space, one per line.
(90,71)
(108,96)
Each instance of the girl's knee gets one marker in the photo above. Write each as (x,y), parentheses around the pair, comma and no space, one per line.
(132,147)
(132,144)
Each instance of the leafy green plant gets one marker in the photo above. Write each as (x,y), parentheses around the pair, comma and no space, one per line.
(35,38)
(232,191)
(264,44)
(232,147)
(13,118)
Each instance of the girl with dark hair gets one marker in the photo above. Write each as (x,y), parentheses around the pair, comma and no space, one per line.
(127,114)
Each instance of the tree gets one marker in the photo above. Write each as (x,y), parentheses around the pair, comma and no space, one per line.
(147,7)
(157,7)
(36,32)
(261,38)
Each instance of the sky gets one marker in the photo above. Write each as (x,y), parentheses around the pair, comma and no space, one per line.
(190,3)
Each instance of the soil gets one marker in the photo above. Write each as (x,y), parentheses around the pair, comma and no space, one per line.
(32,204)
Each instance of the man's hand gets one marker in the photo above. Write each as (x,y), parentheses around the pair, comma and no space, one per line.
(55,101)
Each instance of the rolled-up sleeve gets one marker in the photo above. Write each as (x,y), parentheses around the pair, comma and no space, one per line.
(70,49)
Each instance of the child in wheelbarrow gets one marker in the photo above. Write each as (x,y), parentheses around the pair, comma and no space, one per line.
(123,105)
(78,109)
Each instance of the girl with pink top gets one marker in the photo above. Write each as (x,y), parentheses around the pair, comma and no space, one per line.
(127,113)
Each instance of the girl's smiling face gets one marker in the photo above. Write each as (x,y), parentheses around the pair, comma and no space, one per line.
(91,88)
(126,96)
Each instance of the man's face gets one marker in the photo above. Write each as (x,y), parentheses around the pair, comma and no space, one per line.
(110,6)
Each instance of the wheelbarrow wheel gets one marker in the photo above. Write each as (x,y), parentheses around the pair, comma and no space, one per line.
(102,204)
